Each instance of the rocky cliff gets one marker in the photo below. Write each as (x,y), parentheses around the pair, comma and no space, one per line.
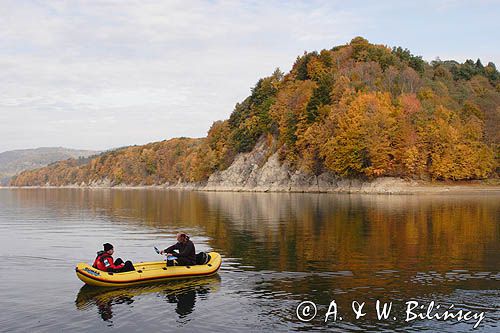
(260,171)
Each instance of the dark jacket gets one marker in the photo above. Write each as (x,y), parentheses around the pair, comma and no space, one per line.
(186,251)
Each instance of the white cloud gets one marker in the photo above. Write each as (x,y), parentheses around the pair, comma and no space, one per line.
(69,66)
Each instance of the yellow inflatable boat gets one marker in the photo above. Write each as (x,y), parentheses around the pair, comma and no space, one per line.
(146,272)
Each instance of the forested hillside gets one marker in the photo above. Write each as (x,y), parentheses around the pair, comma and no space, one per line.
(357,110)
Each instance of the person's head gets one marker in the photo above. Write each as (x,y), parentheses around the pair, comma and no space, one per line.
(182,238)
(108,248)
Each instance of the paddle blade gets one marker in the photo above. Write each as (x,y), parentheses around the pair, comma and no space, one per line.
(156,249)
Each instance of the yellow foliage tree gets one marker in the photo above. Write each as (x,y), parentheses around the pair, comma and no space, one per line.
(362,140)
(455,147)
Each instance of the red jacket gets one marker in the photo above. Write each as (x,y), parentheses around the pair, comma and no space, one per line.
(104,262)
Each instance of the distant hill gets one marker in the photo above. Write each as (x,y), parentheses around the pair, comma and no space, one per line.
(15,161)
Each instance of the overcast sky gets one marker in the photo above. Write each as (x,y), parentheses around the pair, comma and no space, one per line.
(103,74)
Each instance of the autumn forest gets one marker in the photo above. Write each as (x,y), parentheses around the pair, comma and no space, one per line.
(356,111)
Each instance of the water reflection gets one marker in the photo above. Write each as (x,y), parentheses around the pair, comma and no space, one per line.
(308,232)
(279,249)
(181,293)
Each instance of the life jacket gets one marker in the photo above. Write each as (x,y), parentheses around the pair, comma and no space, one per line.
(104,261)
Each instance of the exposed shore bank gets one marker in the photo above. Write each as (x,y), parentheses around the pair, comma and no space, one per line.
(384,185)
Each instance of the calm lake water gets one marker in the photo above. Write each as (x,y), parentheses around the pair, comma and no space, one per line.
(278,250)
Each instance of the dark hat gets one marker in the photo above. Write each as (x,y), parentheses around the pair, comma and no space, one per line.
(107,247)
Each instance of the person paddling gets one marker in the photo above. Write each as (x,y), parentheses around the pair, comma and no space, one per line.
(104,261)
(187,253)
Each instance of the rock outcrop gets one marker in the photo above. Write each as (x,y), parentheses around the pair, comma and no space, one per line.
(258,171)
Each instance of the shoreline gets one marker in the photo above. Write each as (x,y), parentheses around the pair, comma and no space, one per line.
(257,171)
(379,186)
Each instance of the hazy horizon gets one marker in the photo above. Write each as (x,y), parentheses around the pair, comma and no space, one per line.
(53,147)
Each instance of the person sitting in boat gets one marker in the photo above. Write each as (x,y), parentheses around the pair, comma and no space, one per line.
(186,255)
(104,261)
